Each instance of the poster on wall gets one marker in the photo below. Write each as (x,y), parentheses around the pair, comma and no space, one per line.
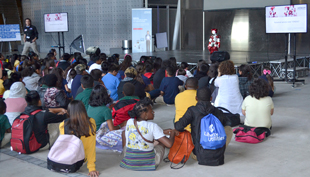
(10,33)
(141,30)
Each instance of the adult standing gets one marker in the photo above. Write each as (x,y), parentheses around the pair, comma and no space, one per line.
(30,37)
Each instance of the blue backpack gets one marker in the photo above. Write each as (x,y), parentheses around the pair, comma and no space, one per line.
(212,133)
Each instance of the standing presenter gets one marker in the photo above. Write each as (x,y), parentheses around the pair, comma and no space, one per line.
(30,37)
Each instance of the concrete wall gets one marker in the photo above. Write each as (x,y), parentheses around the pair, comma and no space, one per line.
(103,23)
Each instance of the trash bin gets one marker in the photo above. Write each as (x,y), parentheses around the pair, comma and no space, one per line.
(126,46)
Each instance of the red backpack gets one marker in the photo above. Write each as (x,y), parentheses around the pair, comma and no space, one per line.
(253,135)
(23,139)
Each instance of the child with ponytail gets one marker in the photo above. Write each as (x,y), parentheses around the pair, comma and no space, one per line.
(266,75)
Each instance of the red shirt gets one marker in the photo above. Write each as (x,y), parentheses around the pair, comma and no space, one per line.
(149,75)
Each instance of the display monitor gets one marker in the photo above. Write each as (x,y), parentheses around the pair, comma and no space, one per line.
(286,19)
(56,22)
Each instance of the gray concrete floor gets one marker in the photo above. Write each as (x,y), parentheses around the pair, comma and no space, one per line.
(285,153)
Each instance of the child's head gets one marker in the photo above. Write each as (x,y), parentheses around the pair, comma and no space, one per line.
(182,72)
(80,69)
(33,98)
(227,68)
(16,77)
(2,106)
(170,71)
(267,73)
(204,68)
(7,84)
(191,83)
(128,89)
(203,94)
(105,67)
(50,80)
(140,68)
(78,121)
(99,96)
(184,65)
(1,56)
(142,110)
(131,72)
(259,88)
(213,70)
(149,67)
(103,57)
(96,74)
(245,71)
(66,57)
(113,69)
(126,63)
(96,59)
(17,90)
(87,81)
(4,75)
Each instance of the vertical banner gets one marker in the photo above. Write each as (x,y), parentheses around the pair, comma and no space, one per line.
(142,30)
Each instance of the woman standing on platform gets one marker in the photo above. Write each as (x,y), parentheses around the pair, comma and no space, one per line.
(229,95)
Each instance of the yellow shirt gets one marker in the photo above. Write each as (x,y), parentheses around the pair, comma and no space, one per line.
(89,144)
(16,63)
(2,90)
(182,102)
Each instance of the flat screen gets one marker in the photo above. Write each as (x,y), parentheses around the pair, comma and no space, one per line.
(10,33)
(286,19)
(56,22)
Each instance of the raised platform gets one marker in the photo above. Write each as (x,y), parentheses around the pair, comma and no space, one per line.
(192,56)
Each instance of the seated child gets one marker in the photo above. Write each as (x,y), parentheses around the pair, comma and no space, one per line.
(141,153)
(80,125)
(184,66)
(7,85)
(190,96)
(258,106)
(169,87)
(181,74)
(193,116)
(149,71)
(54,97)
(87,83)
(123,105)
(4,77)
(5,126)
(266,75)
(43,119)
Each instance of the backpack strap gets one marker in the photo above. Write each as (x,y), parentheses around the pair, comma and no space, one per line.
(35,112)
(135,122)
(224,109)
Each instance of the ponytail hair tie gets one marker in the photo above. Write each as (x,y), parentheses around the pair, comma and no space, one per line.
(265,71)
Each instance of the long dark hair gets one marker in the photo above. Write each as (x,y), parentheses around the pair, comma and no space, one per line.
(126,63)
(99,96)
(246,71)
(140,70)
(268,76)
(79,123)
(49,65)
(59,74)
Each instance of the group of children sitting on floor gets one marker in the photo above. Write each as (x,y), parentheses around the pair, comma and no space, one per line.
(108,104)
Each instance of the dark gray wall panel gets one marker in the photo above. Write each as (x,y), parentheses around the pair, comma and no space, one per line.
(103,23)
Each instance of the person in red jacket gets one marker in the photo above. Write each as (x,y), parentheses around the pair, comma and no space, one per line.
(123,105)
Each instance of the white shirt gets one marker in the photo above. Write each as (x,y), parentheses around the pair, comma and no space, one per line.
(149,131)
(258,112)
(229,95)
(95,66)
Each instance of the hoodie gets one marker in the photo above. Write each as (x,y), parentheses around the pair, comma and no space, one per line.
(31,82)
(193,116)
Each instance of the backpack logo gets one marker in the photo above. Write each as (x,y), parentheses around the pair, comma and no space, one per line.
(211,128)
